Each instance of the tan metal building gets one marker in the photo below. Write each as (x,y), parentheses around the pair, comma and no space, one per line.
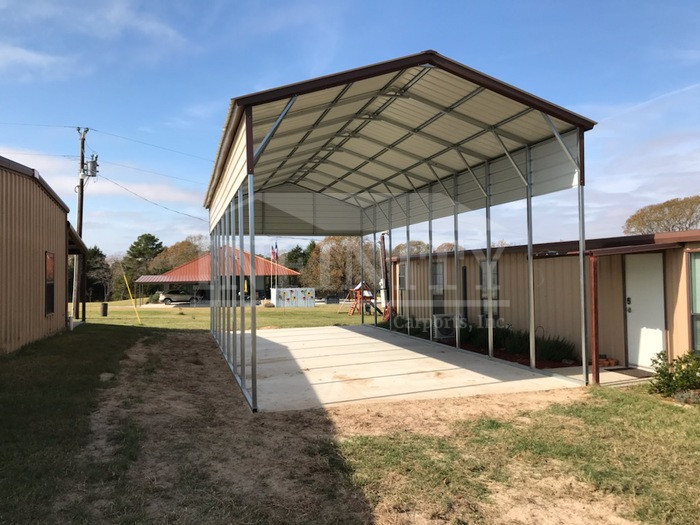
(35,241)
(643,292)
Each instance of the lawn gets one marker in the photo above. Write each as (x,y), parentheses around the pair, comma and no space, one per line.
(170,439)
(198,318)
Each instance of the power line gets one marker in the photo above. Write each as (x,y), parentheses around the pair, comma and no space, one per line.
(152,145)
(109,134)
(152,202)
(153,172)
(35,125)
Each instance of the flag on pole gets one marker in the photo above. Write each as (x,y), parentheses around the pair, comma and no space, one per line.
(273,253)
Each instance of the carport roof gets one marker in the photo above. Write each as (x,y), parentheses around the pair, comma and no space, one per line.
(364,136)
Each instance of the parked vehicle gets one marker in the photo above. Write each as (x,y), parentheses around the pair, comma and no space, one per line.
(178,296)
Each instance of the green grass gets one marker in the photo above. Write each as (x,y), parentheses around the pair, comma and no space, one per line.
(47,392)
(625,442)
(198,318)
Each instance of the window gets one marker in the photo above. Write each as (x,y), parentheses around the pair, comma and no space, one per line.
(695,300)
(49,284)
(438,287)
(402,276)
(485,291)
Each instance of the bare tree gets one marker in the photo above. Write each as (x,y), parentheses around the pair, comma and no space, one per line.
(670,216)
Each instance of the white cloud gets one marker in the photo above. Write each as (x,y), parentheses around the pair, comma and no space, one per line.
(18,63)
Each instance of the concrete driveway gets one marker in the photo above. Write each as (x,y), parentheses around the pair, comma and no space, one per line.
(303,368)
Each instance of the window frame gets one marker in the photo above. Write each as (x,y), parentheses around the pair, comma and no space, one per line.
(49,283)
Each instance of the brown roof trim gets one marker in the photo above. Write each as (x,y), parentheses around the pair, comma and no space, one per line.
(76,246)
(644,248)
(602,246)
(21,169)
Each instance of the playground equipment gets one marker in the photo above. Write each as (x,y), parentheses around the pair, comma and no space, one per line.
(361,297)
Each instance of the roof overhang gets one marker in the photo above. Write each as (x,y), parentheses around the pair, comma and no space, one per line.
(393,142)
(76,246)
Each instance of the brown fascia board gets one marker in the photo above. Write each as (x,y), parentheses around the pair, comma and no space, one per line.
(630,243)
(429,58)
(75,240)
(21,169)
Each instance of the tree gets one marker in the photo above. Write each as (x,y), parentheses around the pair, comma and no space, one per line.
(417,247)
(334,265)
(145,247)
(296,258)
(447,247)
(670,216)
(179,253)
(99,275)
(136,262)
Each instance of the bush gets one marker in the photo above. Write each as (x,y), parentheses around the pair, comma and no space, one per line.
(680,375)
(555,349)
(153,299)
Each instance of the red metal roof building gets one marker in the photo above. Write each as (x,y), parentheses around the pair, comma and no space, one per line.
(199,270)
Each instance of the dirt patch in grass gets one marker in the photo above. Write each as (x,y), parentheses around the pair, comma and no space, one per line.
(201,456)
(173,441)
(437,416)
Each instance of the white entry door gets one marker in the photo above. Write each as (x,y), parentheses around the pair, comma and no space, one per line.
(644,282)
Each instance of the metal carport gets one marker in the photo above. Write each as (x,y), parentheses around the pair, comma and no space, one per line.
(392,144)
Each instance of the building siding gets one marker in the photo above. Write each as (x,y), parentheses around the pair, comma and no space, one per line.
(234,175)
(31,223)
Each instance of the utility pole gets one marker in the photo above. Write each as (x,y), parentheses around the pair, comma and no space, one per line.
(79,224)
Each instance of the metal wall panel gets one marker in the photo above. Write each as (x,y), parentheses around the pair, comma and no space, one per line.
(31,223)
(234,175)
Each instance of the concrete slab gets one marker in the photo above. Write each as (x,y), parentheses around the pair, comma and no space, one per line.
(608,376)
(302,368)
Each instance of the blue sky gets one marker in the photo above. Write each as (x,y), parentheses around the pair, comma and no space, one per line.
(152,80)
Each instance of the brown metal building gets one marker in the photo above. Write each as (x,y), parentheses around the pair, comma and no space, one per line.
(35,241)
(643,292)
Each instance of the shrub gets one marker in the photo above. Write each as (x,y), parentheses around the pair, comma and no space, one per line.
(153,299)
(680,375)
(554,349)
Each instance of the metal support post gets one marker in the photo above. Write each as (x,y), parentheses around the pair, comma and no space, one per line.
(455,228)
(489,269)
(530,267)
(253,294)
(430,261)
(582,279)
(234,288)
(394,291)
(241,285)
(374,261)
(407,278)
(362,269)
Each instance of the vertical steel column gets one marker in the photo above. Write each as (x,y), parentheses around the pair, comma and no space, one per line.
(374,261)
(211,281)
(593,283)
(582,277)
(455,227)
(431,306)
(362,268)
(253,292)
(530,264)
(227,322)
(489,269)
(241,283)
(234,288)
(407,280)
(394,291)
(215,256)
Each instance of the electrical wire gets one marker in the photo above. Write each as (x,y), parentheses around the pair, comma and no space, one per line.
(152,202)
(109,134)
(151,145)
